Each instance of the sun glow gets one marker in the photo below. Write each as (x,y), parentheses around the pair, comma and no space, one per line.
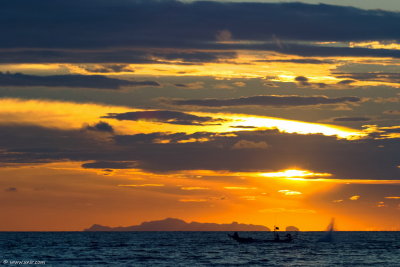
(291,126)
(294,174)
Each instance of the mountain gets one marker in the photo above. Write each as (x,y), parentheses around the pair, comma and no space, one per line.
(292,229)
(172,224)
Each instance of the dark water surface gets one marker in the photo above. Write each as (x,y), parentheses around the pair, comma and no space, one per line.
(197,249)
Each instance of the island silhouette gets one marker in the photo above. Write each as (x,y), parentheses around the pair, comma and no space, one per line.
(292,229)
(173,224)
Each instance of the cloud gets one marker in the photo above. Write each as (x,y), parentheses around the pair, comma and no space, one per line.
(381,204)
(392,112)
(193,85)
(346,82)
(364,159)
(289,192)
(266,100)
(345,119)
(239,188)
(107,68)
(299,61)
(303,81)
(395,99)
(354,197)
(160,137)
(109,165)
(244,144)
(76,81)
(101,127)
(196,57)
(371,76)
(103,61)
(253,25)
(190,188)
(385,77)
(344,159)
(165,116)
(30,28)
(11,189)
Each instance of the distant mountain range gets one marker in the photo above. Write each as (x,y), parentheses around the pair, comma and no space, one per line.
(172,224)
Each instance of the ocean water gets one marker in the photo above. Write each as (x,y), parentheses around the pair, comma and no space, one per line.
(196,249)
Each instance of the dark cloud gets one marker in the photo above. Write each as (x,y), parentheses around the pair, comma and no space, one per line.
(372,76)
(165,116)
(129,140)
(303,81)
(346,82)
(131,22)
(86,81)
(272,100)
(300,61)
(101,127)
(197,57)
(192,85)
(109,165)
(362,159)
(154,138)
(29,144)
(357,159)
(328,51)
(150,54)
(344,119)
(392,112)
(395,129)
(108,68)
(181,85)
(125,56)
(33,25)
(11,189)
(74,56)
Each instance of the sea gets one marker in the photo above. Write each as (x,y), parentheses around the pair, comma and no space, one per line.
(197,249)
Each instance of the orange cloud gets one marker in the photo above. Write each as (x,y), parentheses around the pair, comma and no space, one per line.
(290,192)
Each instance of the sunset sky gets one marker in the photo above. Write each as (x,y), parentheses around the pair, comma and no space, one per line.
(117,112)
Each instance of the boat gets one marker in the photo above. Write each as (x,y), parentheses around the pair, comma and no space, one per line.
(239,239)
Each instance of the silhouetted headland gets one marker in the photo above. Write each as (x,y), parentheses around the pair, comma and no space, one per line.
(292,229)
(172,224)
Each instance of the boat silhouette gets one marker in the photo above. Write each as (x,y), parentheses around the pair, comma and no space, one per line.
(235,236)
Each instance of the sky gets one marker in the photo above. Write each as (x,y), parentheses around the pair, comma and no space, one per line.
(271,113)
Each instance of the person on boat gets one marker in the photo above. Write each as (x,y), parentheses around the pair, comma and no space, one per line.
(235,235)
(289,237)
(239,239)
(277,238)
(276,235)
